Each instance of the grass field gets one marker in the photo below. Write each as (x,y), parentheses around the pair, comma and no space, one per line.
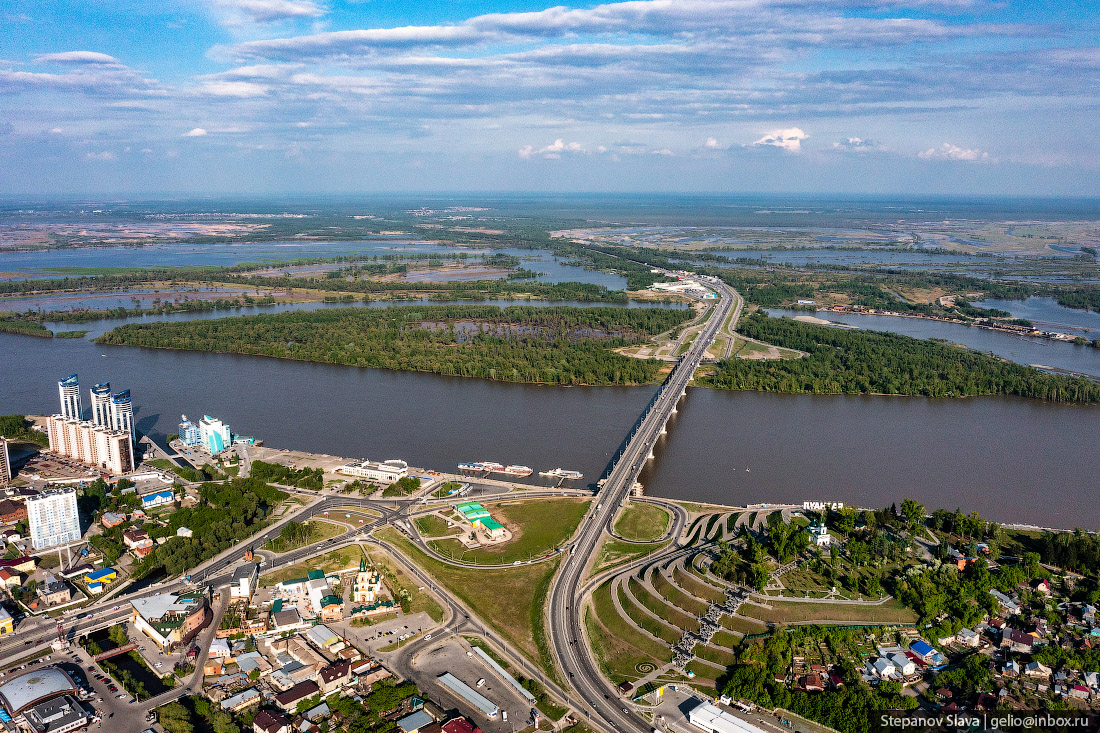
(615,552)
(619,649)
(345,557)
(786,612)
(639,616)
(696,587)
(642,522)
(538,526)
(433,526)
(677,597)
(509,599)
(318,531)
(661,608)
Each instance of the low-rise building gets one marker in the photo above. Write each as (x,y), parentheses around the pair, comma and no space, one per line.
(385,472)
(112,519)
(135,539)
(170,620)
(160,498)
(270,721)
(367,584)
(968,637)
(415,722)
(1017,641)
(819,534)
(12,512)
(10,578)
(334,676)
(54,592)
(242,700)
(289,700)
(7,625)
(59,715)
(714,719)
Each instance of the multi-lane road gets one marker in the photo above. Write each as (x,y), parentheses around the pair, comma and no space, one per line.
(598,700)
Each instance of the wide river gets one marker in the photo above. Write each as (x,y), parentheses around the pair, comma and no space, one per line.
(1010,460)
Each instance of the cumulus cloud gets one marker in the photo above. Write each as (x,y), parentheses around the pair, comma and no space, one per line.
(789,138)
(711,143)
(553,151)
(236,12)
(194,132)
(856,145)
(947,151)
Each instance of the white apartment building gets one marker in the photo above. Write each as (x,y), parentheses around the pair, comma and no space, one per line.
(101,405)
(110,450)
(53,518)
(69,391)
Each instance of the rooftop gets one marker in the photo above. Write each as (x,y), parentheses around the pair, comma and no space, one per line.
(33,687)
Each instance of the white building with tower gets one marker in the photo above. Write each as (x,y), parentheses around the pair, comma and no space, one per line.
(53,518)
(69,391)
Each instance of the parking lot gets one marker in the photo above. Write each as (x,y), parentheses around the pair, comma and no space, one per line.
(454,655)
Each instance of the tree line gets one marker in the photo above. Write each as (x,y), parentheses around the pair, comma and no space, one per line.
(843,361)
(555,345)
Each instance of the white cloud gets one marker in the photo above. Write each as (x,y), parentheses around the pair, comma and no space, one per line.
(237,12)
(856,145)
(56,130)
(194,132)
(711,143)
(77,57)
(789,139)
(661,151)
(947,151)
(106,155)
(553,151)
(241,89)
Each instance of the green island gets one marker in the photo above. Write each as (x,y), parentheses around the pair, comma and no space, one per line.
(555,345)
(843,361)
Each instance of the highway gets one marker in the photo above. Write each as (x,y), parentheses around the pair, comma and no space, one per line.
(598,700)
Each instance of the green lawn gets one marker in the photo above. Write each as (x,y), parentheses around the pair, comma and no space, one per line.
(510,599)
(642,522)
(785,612)
(619,649)
(697,587)
(639,616)
(433,526)
(538,526)
(616,552)
(317,531)
(662,608)
(677,597)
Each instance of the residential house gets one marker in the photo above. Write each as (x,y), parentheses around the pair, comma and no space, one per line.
(137,541)
(1037,669)
(112,519)
(415,722)
(22,564)
(10,578)
(968,637)
(927,653)
(334,676)
(812,683)
(1017,641)
(54,592)
(242,700)
(1008,605)
(883,668)
(289,700)
(1079,691)
(1042,587)
(12,512)
(270,721)
(903,664)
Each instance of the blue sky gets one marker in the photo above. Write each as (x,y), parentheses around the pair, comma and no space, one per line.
(303,96)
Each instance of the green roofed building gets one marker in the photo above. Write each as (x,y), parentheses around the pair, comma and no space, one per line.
(493,528)
(316,575)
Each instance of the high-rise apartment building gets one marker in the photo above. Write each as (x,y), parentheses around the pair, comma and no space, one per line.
(53,518)
(110,450)
(122,413)
(69,391)
(189,432)
(101,405)
(5,461)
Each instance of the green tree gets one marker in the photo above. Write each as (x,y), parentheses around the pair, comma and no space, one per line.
(913,511)
(174,718)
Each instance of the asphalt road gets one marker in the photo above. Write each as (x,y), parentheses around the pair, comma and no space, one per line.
(599,701)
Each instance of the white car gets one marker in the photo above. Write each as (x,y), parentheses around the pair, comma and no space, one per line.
(480,682)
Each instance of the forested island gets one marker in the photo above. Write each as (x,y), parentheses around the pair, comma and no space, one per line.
(840,361)
(549,345)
